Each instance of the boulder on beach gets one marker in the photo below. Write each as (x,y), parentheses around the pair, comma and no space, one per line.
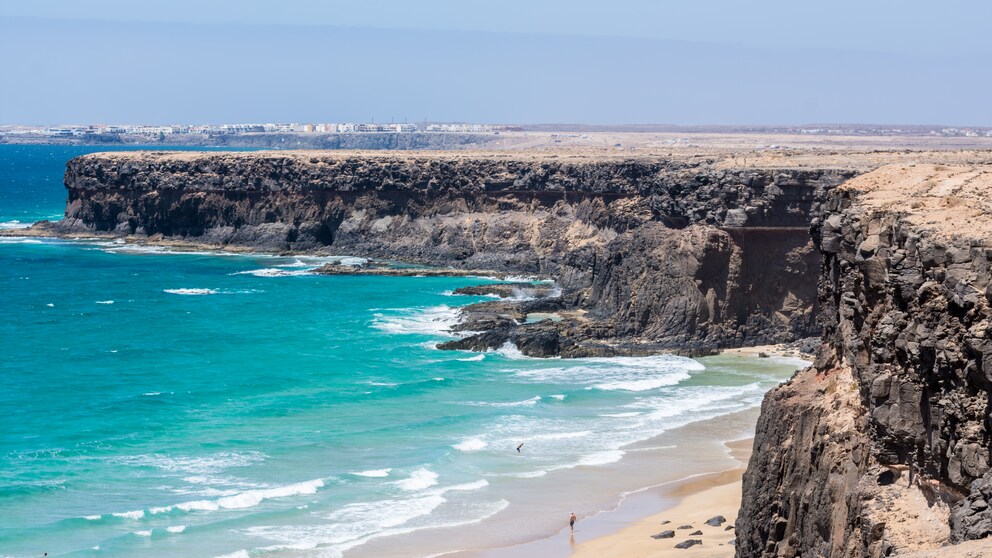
(664,535)
(688,543)
(716,521)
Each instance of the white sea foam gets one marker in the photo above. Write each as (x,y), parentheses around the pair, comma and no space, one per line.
(510,351)
(528,474)
(13,224)
(247,499)
(525,403)
(236,554)
(198,465)
(418,480)
(601,458)
(143,533)
(526,279)
(191,292)
(475,358)
(466,487)
(105,302)
(7,240)
(349,524)
(275,272)
(615,374)
(643,385)
(621,415)
(135,514)
(356,524)
(373,473)
(558,396)
(352,261)
(471,444)
(94,517)
(176,528)
(435,320)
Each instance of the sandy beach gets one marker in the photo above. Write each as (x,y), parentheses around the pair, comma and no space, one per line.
(702,499)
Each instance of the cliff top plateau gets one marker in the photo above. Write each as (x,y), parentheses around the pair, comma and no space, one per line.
(951,201)
(725,157)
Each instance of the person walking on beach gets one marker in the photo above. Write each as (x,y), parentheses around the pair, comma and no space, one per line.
(571,522)
(520,446)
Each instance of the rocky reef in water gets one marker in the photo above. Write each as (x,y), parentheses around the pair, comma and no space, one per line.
(687,254)
(883,446)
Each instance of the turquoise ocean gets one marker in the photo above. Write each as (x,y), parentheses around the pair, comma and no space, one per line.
(170,403)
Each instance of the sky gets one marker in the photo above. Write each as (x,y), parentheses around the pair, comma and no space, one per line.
(699,62)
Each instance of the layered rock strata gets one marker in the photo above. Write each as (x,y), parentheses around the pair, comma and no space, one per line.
(667,253)
(880,464)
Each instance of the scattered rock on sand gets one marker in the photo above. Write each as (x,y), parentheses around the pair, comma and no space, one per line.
(665,522)
(664,535)
(716,521)
(688,543)
(686,527)
(696,532)
(728,528)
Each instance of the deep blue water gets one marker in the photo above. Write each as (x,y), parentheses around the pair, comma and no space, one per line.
(160,403)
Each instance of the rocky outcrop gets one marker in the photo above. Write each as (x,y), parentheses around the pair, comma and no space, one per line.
(905,294)
(665,253)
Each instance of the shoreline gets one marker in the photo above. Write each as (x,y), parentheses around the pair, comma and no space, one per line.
(699,499)
(610,526)
(626,529)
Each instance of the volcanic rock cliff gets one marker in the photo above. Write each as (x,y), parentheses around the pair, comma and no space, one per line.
(667,253)
(883,446)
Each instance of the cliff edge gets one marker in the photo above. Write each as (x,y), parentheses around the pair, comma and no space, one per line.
(883,446)
(650,253)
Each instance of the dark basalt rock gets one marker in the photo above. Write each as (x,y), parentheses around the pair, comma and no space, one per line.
(676,254)
(716,521)
(664,535)
(696,532)
(898,398)
(507,290)
(685,527)
(971,518)
(689,543)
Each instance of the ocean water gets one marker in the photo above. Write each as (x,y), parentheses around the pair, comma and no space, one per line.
(159,403)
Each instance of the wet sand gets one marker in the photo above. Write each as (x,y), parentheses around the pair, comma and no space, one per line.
(700,500)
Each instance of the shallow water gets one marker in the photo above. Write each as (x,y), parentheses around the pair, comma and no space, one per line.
(163,404)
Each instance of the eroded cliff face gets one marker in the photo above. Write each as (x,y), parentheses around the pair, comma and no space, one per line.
(675,253)
(905,298)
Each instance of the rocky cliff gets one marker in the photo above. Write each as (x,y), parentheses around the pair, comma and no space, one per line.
(884,445)
(671,253)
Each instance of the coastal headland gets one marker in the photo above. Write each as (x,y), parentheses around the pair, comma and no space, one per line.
(881,447)
(688,253)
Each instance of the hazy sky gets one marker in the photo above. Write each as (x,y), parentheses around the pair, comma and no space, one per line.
(525,61)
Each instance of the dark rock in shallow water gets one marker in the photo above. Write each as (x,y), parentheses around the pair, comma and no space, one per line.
(716,521)
(634,243)
(664,535)
(689,543)
(507,290)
